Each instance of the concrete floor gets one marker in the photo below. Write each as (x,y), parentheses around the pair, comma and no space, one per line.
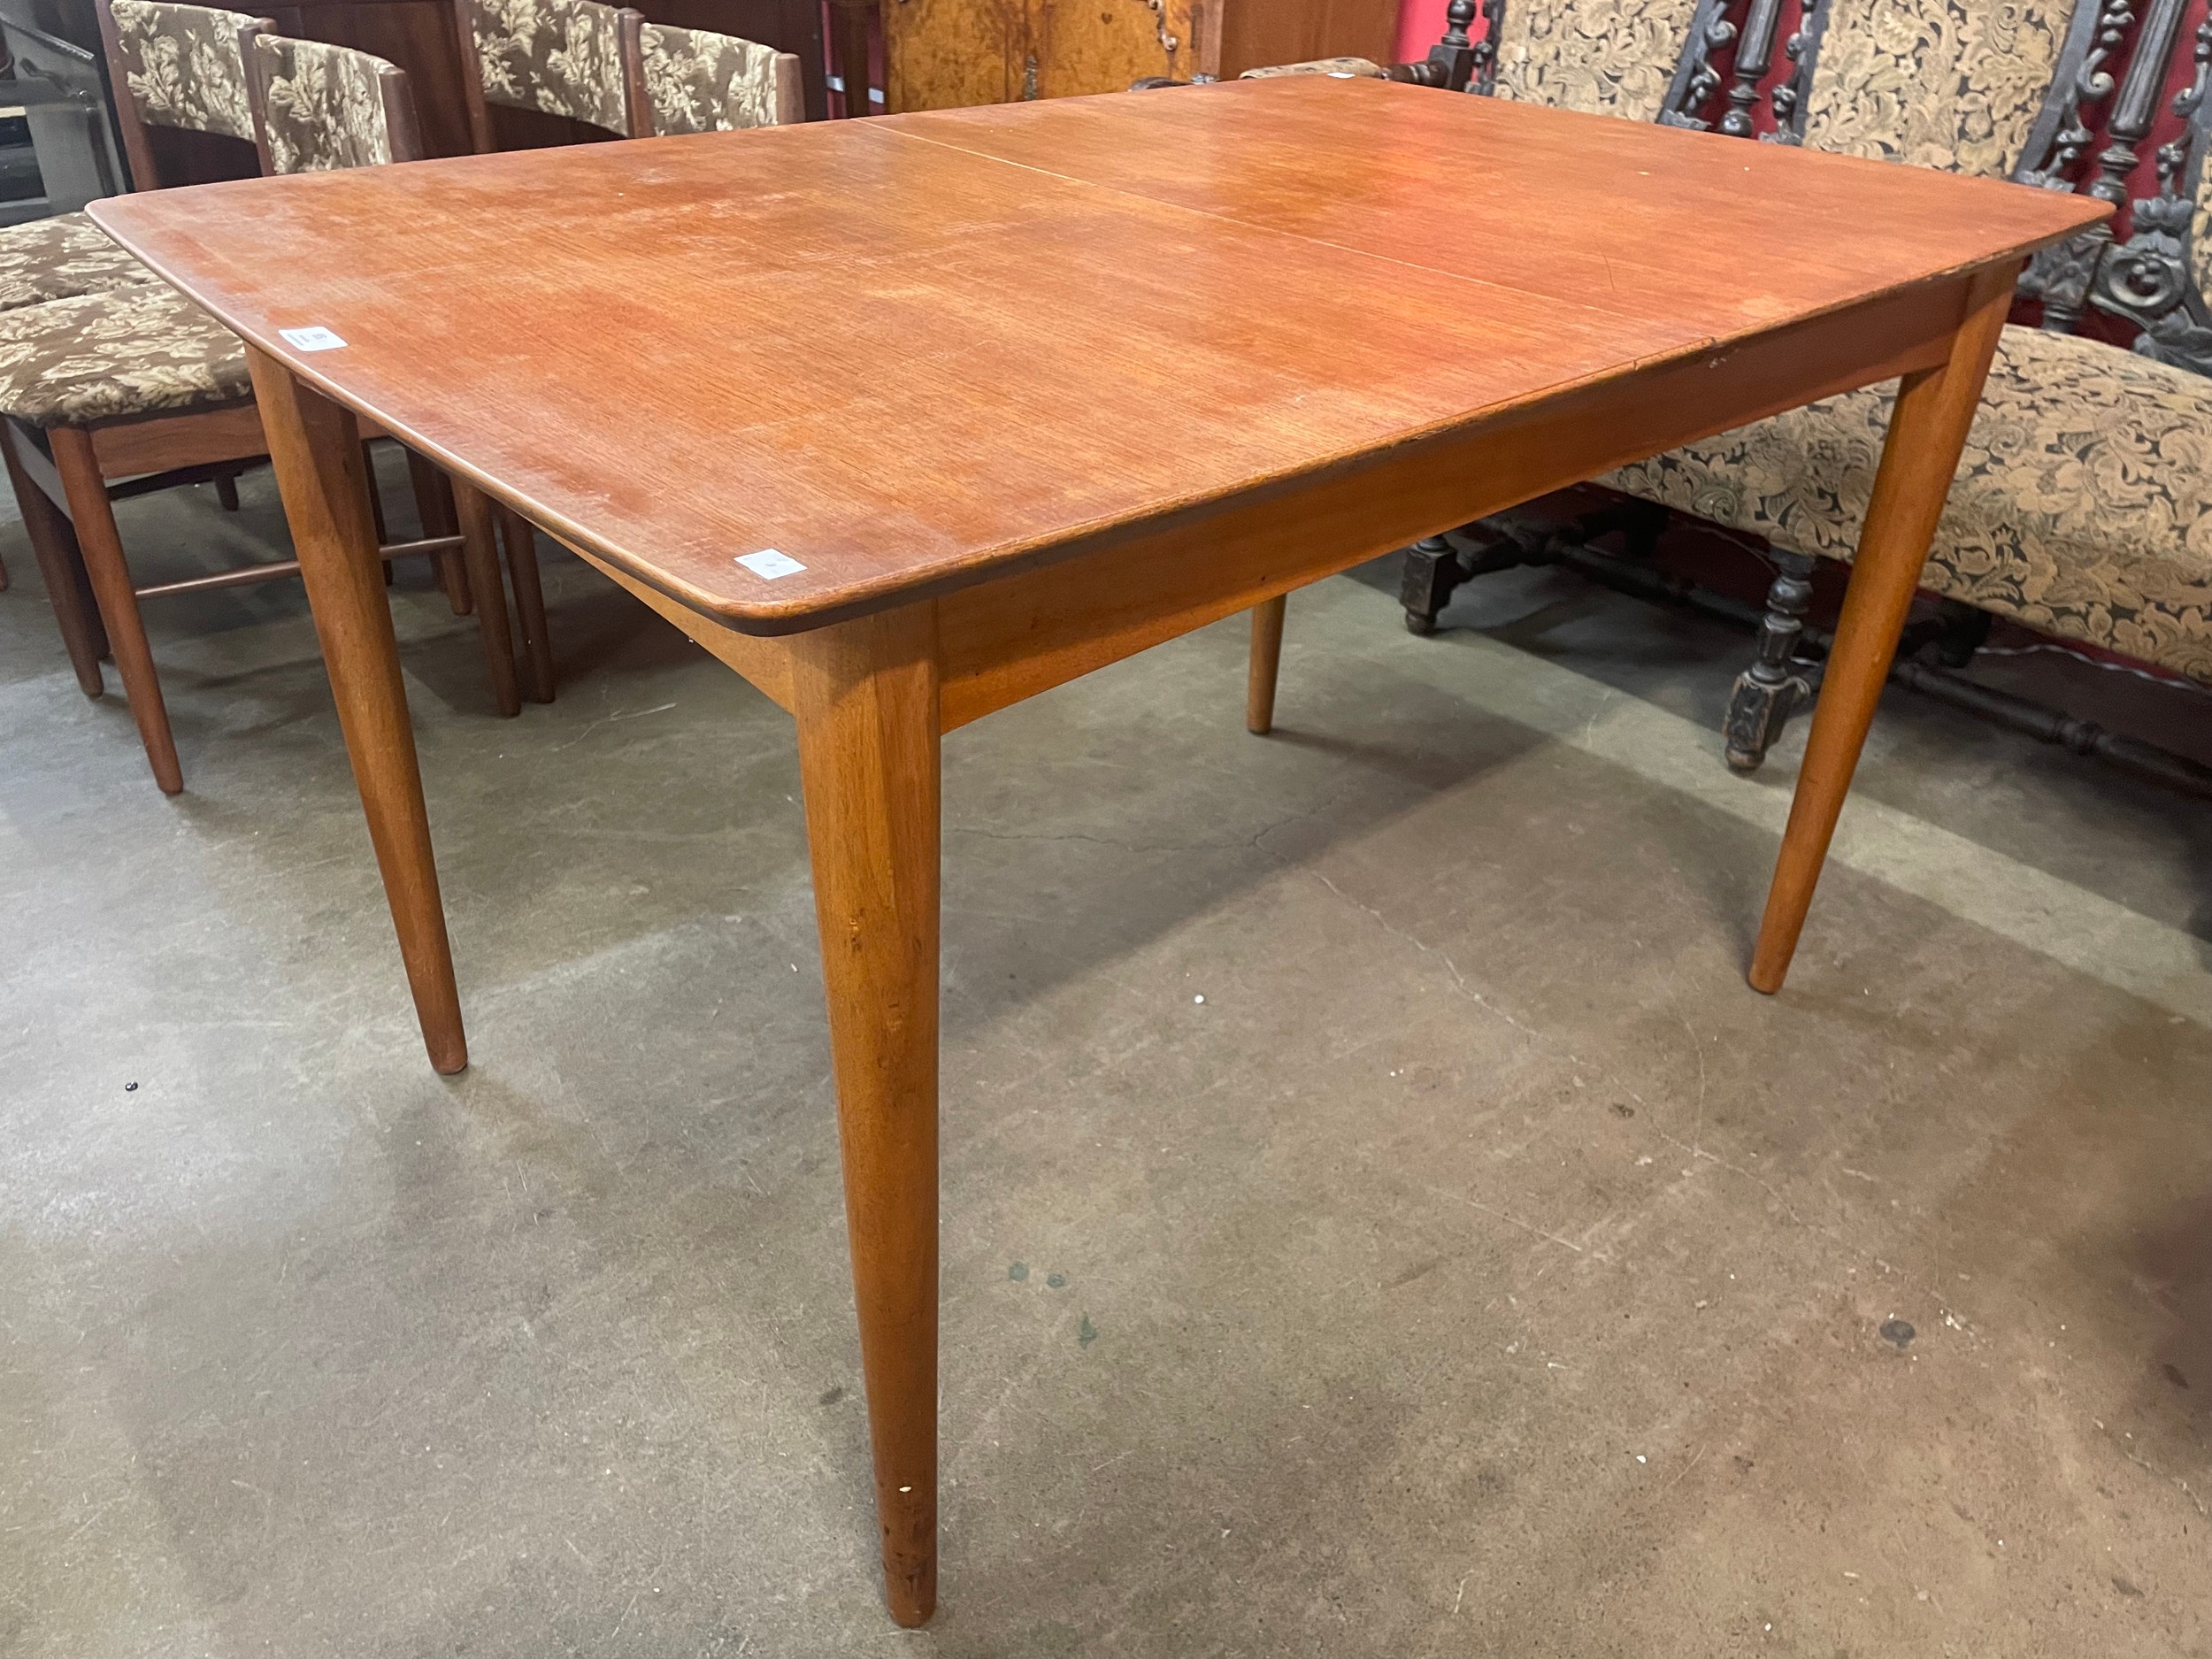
(1478,1268)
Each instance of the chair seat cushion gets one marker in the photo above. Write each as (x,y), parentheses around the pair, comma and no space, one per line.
(60,258)
(2082,507)
(1345,67)
(143,350)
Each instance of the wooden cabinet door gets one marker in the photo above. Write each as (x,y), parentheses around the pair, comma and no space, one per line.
(1257,33)
(948,54)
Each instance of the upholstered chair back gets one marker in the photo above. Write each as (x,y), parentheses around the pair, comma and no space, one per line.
(557,56)
(698,81)
(322,107)
(1601,56)
(181,65)
(1950,84)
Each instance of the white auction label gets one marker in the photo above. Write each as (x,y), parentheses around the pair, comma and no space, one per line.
(770,563)
(317,339)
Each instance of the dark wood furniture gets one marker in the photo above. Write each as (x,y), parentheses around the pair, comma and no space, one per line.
(1128,410)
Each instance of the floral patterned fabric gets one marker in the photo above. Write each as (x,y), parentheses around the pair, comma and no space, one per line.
(183,65)
(322,106)
(2082,507)
(561,56)
(138,351)
(1951,84)
(698,81)
(1601,56)
(61,257)
(1359,67)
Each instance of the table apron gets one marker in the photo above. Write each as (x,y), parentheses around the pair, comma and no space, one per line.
(1009,637)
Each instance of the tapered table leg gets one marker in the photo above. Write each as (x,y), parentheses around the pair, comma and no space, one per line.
(865,695)
(1927,431)
(1267,663)
(316,449)
(479,548)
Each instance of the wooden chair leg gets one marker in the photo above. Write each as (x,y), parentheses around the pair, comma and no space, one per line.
(226,491)
(102,546)
(537,638)
(320,471)
(866,699)
(481,548)
(435,511)
(1927,433)
(68,587)
(1267,658)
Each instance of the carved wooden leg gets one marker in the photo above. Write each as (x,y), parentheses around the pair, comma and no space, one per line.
(1927,431)
(1432,571)
(323,476)
(537,639)
(102,546)
(865,695)
(68,586)
(1771,690)
(435,511)
(480,548)
(1267,660)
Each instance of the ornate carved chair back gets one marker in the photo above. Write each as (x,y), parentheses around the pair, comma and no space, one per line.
(694,81)
(180,66)
(2159,278)
(560,57)
(1621,58)
(319,107)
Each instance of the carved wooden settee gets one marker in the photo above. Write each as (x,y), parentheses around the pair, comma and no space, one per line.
(2082,507)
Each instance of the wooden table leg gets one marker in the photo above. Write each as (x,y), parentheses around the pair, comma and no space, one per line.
(1267,660)
(1927,432)
(865,695)
(316,449)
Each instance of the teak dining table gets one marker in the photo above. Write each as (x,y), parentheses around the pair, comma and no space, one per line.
(909,420)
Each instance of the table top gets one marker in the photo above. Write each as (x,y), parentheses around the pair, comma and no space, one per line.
(909,353)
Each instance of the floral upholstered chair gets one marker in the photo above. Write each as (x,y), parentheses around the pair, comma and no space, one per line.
(321,107)
(561,57)
(694,81)
(2083,506)
(173,66)
(1620,57)
(140,384)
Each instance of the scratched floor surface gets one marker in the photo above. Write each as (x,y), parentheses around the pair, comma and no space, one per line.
(1377,1219)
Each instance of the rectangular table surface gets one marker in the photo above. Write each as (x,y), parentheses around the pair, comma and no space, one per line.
(913,353)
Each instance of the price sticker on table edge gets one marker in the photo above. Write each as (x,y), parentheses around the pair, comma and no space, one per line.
(768,564)
(316,338)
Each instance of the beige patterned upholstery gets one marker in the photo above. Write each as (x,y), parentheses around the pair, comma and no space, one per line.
(1601,56)
(183,67)
(1951,84)
(2083,506)
(137,351)
(699,81)
(322,105)
(560,57)
(1357,67)
(61,257)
